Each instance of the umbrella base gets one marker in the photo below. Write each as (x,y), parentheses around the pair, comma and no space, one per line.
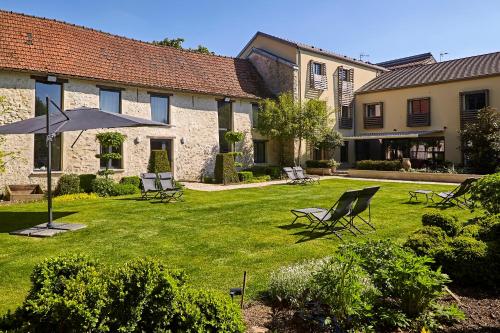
(41,230)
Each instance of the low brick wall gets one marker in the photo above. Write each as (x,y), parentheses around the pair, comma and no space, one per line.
(413,176)
(319,171)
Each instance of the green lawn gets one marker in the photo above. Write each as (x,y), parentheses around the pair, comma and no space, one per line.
(214,236)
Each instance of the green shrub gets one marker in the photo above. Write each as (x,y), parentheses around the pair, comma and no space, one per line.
(321,164)
(103,187)
(465,260)
(158,161)
(379,165)
(86,182)
(489,228)
(272,170)
(76,197)
(206,311)
(245,176)
(471,230)
(225,170)
(133,180)
(346,289)
(68,184)
(425,240)
(124,189)
(290,286)
(487,191)
(143,297)
(449,224)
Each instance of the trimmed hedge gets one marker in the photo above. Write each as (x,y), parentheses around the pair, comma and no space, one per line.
(425,240)
(158,161)
(272,170)
(86,182)
(487,191)
(124,189)
(76,294)
(225,170)
(68,184)
(245,175)
(321,164)
(379,165)
(132,180)
(103,186)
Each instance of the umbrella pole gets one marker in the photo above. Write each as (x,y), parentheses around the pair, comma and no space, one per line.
(50,224)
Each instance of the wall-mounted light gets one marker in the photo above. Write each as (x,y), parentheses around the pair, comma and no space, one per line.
(137,140)
(444,128)
(183,141)
(51,78)
(227,99)
(395,130)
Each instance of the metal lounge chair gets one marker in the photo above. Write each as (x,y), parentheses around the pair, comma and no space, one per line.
(337,214)
(148,186)
(169,191)
(299,172)
(292,177)
(365,197)
(458,196)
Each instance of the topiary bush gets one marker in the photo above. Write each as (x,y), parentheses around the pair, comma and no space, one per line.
(132,180)
(379,165)
(103,187)
(68,184)
(124,189)
(425,240)
(245,176)
(225,170)
(158,161)
(86,182)
(449,224)
(487,192)
(206,311)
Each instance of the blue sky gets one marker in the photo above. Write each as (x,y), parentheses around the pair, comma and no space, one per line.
(382,29)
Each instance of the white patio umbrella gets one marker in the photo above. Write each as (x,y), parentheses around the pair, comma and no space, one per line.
(80,119)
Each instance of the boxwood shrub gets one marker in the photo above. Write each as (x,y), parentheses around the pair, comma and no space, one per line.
(68,184)
(321,164)
(379,165)
(245,175)
(124,189)
(225,170)
(271,170)
(132,180)
(425,240)
(487,191)
(86,182)
(158,161)
(103,187)
(449,224)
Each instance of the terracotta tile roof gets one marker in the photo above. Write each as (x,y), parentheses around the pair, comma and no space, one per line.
(41,45)
(452,70)
(415,60)
(312,49)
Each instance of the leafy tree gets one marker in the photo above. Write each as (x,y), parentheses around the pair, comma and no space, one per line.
(109,139)
(285,119)
(331,141)
(481,141)
(177,43)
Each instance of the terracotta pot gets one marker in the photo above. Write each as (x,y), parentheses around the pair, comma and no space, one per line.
(406,164)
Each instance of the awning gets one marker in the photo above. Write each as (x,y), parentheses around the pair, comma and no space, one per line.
(394,135)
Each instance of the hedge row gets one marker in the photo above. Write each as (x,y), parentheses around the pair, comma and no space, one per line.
(379,165)
(225,169)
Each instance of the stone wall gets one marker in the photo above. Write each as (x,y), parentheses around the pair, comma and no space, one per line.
(194,131)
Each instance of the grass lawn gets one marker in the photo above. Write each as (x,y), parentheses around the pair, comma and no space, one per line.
(214,236)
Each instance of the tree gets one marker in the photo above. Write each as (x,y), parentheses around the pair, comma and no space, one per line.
(331,141)
(481,141)
(113,140)
(285,119)
(177,43)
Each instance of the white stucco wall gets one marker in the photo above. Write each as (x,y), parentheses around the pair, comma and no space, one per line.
(193,119)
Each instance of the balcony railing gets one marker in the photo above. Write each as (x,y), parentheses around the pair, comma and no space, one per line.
(418,119)
(373,122)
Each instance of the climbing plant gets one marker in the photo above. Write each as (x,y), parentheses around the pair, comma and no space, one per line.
(113,140)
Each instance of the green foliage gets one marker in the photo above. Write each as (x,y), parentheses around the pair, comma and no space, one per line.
(487,191)
(322,163)
(471,230)
(76,197)
(206,311)
(379,165)
(287,119)
(489,228)
(158,161)
(425,240)
(124,189)
(345,288)
(109,139)
(132,180)
(482,141)
(103,187)
(331,141)
(272,170)
(75,294)
(245,176)
(68,184)
(449,224)
(225,170)
(86,182)
(177,43)
(233,136)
